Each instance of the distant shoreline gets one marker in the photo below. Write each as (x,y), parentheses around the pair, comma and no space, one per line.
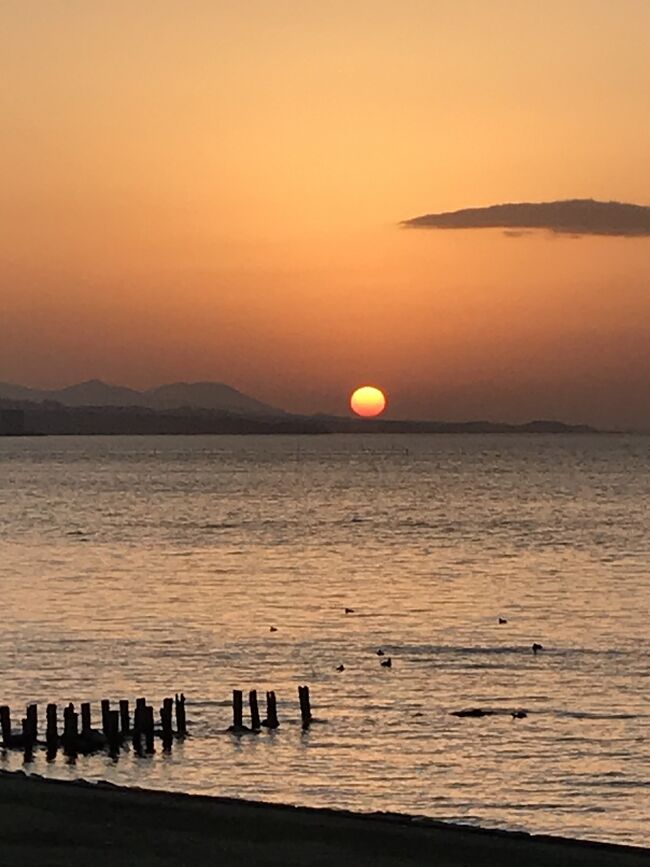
(25,418)
(64,822)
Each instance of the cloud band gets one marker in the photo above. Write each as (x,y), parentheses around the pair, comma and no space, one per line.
(571,217)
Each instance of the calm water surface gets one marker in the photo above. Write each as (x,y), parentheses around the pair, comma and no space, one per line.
(134,566)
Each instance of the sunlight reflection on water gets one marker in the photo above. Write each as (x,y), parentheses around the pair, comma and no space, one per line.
(148,565)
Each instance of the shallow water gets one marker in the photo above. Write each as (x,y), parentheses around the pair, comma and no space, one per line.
(144,566)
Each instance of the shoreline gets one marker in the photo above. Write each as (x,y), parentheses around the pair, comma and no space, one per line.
(58,822)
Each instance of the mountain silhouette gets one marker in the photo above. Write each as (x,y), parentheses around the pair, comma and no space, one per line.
(195,395)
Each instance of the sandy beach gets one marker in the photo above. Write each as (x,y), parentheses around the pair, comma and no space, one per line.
(44,822)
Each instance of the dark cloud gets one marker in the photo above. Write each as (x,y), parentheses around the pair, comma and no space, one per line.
(570,217)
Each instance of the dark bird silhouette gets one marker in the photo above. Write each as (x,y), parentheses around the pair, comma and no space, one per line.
(387,663)
(380,652)
(349,610)
(519,714)
(340,667)
(537,647)
(273,629)
(502,620)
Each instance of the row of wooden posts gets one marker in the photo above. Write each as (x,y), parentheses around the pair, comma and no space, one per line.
(115,730)
(117,727)
(271,720)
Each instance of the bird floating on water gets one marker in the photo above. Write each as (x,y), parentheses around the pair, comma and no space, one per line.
(519,714)
(273,629)
(537,647)
(387,663)
(349,610)
(340,667)
(502,620)
(380,652)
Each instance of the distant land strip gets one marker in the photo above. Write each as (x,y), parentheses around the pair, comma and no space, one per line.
(29,418)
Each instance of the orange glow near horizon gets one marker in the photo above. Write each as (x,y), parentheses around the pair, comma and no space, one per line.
(217,196)
(368,401)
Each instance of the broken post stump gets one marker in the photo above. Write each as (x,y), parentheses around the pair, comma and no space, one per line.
(138,724)
(51,730)
(166,723)
(113,731)
(106,709)
(181,723)
(86,722)
(255,712)
(237,709)
(70,730)
(125,721)
(28,739)
(5,724)
(271,721)
(31,715)
(305,706)
(148,729)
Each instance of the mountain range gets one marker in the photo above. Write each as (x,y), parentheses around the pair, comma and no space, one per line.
(94,407)
(196,395)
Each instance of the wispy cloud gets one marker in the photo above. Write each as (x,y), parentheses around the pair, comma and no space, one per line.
(570,217)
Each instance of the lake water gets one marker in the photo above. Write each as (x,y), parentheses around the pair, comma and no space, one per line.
(145,566)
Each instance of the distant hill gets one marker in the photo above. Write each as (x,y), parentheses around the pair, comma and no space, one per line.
(195,395)
(23,417)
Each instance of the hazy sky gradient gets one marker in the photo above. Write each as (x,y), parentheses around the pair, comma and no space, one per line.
(206,190)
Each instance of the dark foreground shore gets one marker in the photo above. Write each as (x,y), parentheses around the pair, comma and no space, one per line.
(59,824)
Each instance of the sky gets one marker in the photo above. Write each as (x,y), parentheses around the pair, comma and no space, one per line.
(206,190)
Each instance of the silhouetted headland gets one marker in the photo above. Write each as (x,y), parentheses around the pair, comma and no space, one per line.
(95,408)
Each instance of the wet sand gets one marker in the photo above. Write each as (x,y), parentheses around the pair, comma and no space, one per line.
(44,822)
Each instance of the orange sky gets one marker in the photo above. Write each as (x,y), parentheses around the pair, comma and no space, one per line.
(211,190)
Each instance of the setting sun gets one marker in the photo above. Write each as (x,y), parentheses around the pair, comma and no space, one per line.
(368,401)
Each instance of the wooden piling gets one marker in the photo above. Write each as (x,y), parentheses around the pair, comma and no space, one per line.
(237,709)
(106,709)
(31,715)
(70,730)
(125,721)
(28,738)
(181,723)
(271,721)
(51,730)
(305,706)
(148,729)
(86,721)
(5,724)
(113,732)
(138,724)
(166,723)
(255,712)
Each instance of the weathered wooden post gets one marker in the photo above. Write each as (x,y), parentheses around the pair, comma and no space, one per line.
(28,739)
(125,721)
(51,731)
(166,723)
(5,723)
(113,732)
(181,723)
(31,715)
(106,709)
(86,721)
(237,709)
(255,712)
(148,731)
(70,730)
(305,706)
(271,721)
(138,724)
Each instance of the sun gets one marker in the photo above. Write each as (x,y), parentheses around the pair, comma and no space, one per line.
(368,401)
